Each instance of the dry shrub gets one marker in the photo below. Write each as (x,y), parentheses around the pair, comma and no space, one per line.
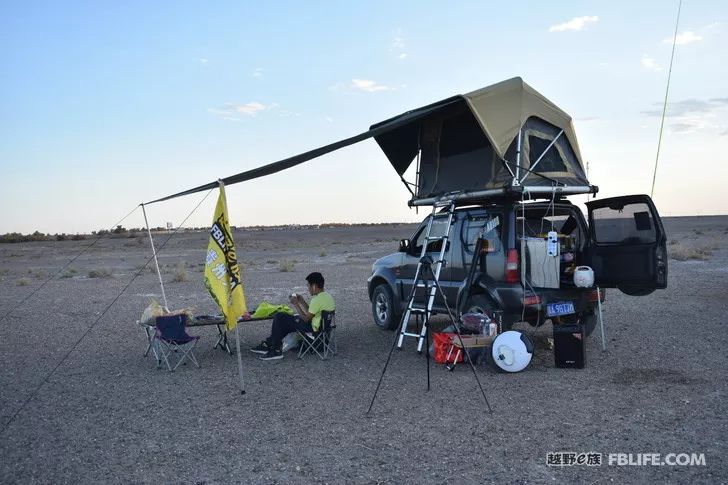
(679,252)
(322,254)
(23,282)
(100,273)
(180,273)
(286,266)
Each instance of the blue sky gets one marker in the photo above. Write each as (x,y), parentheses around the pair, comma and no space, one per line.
(104,105)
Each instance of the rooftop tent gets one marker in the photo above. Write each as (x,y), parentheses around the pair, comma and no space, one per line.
(467,144)
(470,144)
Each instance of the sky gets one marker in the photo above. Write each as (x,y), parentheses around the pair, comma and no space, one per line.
(105,105)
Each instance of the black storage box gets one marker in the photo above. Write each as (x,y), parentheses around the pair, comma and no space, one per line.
(569,346)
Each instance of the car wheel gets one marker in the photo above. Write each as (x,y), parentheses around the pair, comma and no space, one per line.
(481,303)
(635,290)
(386,315)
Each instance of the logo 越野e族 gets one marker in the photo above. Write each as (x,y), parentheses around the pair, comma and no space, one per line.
(223,240)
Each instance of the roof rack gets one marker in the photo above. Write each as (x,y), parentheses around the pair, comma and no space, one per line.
(508,192)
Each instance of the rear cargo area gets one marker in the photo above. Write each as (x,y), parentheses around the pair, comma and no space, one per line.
(544,264)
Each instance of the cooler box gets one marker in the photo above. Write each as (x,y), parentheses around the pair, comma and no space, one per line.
(569,346)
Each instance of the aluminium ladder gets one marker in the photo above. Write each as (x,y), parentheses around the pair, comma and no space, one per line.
(421,279)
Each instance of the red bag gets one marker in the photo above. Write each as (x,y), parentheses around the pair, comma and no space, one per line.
(442,346)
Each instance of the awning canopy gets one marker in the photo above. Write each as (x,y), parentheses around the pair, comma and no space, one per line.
(464,141)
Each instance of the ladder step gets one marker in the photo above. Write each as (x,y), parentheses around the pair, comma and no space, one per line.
(437,238)
(422,285)
(408,334)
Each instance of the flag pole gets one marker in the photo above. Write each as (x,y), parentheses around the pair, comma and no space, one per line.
(240,360)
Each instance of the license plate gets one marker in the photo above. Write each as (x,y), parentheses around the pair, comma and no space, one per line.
(560,308)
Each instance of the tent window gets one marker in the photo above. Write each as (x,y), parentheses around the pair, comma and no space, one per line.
(551,161)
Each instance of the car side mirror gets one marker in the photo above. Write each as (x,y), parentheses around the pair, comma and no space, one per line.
(404,245)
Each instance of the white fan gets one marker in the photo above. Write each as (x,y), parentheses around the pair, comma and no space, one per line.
(512,351)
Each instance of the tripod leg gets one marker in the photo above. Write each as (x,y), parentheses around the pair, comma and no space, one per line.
(427,354)
(386,364)
(467,354)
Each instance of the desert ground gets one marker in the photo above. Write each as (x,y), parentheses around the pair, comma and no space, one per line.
(104,413)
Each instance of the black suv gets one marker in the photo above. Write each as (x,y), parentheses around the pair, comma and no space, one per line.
(623,242)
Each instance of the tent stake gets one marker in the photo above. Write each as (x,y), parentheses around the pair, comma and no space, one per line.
(156,263)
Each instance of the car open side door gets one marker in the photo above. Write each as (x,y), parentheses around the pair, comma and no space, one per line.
(627,244)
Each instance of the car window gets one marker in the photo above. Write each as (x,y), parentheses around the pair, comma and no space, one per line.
(633,223)
(439,226)
(474,226)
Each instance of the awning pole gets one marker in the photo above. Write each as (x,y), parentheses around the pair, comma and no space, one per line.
(156,263)
(240,361)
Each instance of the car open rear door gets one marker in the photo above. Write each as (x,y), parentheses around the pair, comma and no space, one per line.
(627,244)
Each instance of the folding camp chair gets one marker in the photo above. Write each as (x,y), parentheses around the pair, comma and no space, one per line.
(323,342)
(171,338)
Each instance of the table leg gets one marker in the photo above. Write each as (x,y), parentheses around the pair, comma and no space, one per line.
(222,340)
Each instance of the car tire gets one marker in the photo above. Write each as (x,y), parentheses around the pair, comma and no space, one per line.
(386,314)
(481,303)
(635,290)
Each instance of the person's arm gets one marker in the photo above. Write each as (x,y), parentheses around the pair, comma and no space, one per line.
(301,308)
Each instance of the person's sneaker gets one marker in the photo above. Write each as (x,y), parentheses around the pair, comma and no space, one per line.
(261,349)
(272,354)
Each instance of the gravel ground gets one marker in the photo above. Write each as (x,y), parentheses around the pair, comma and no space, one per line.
(108,415)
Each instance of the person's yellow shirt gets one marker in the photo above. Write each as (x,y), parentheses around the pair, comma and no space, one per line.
(323,302)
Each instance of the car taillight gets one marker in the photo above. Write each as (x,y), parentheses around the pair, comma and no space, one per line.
(596,294)
(532,300)
(512,275)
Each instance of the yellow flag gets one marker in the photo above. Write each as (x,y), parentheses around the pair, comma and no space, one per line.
(222,272)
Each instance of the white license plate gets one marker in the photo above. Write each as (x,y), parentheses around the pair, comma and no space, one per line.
(560,308)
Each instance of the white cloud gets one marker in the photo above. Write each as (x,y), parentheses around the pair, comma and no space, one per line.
(649,63)
(329,119)
(204,60)
(690,107)
(398,46)
(682,38)
(258,72)
(231,111)
(250,108)
(692,115)
(577,23)
(368,85)
(689,125)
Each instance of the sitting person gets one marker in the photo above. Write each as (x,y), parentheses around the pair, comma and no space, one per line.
(307,320)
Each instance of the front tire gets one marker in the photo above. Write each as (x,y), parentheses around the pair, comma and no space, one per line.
(386,314)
